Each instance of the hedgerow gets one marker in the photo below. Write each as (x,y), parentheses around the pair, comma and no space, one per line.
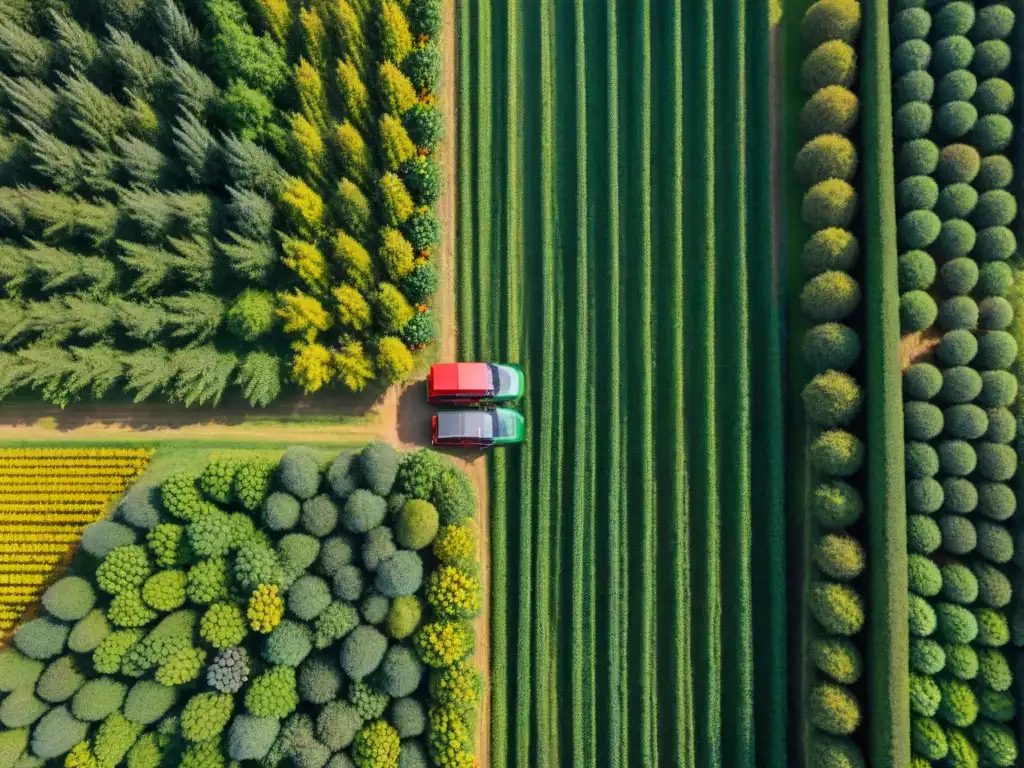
(252,653)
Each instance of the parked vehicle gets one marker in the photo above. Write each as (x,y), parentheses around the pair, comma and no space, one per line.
(470,383)
(478,428)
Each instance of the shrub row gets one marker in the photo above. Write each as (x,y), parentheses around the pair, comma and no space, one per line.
(827,166)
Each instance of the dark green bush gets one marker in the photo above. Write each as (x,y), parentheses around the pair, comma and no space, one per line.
(829,203)
(378,465)
(959,584)
(60,680)
(996,208)
(959,536)
(830,399)
(991,58)
(319,679)
(343,475)
(828,156)
(994,279)
(996,744)
(374,609)
(917,311)
(998,389)
(104,536)
(959,495)
(831,63)
(335,552)
(407,717)
(921,459)
(378,546)
(916,271)
(362,652)
(994,97)
(319,516)
(994,587)
(927,738)
(288,644)
(996,462)
(957,347)
(996,349)
(951,53)
(955,18)
(401,672)
(994,313)
(57,733)
(993,22)
(423,66)
(955,119)
(910,24)
(838,608)
(960,276)
(956,457)
(919,157)
(830,296)
(956,201)
(926,656)
(308,597)
(918,229)
(965,422)
(956,624)
(959,85)
(961,662)
(958,163)
(922,381)
(299,472)
(830,249)
(401,574)
(913,120)
(833,109)
(923,535)
(958,312)
(992,134)
(997,706)
(251,738)
(836,504)
(1002,425)
(363,511)
(996,173)
(956,239)
(837,453)
(831,346)
(348,583)
(993,630)
(41,638)
(924,495)
(69,599)
(924,577)
(996,501)
(420,284)
(921,616)
(830,20)
(917,85)
(909,56)
(921,420)
(995,543)
(917,193)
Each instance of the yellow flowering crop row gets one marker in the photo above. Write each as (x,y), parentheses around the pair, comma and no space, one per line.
(36,454)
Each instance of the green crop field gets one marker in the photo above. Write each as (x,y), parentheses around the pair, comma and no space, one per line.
(615,238)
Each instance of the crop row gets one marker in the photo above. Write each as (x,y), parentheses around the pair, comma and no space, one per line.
(227,196)
(951,107)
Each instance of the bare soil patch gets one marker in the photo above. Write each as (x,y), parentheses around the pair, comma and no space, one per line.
(918,346)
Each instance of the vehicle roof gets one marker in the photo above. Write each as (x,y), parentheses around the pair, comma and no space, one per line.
(458,424)
(461,377)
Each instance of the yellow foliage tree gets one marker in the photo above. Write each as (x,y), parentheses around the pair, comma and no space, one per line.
(393,310)
(355,98)
(394,360)
(353,154)
(397,91)
(308,145)
(314,37)
(354,368)
(398,203)
(312,366)
(350,32)
(395,254)
(277,16)
(306,260)
(310,87)
(302,314)
(396,39)
(355,261)
(303,207)
(395,142)
(353,309)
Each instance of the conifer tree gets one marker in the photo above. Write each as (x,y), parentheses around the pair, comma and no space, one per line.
(259,376)
(395,254)
(396,145)
(395,199)
(249,165)
(13,321)
(353,155)
(356,265)
(140,162)
(395,37)
(276,17)
(176,31)
(394,360)
(307,146)
(314,38)
(393,311)
(191,212)
(146,213)
(251,260)
(353,209)
(250,214)
(144,322)
(353,309)
(147,371)
(192,90)
(238,52)
(35,101)
(14,268)
(154,266)
(57,269)
(137,69)
(194,261)
(50,321)
(396,90)
(46,367)
(95,368)
(61,164)
(93,319)
(21,52)
(350,30)
(245,111)
(354,96)
(76,48)
(306,261)
(196,148)
(203,374)
(310,89)
(194,316)
(96,115)
(99,169)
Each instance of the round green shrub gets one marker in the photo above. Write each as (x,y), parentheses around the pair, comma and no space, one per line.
(960,385)
(959,85)
(951,53)
(958,164)
(343,475)
(958,312)
(993,630)
(69,599)
(832,109)
(959,584)
(910,24)
(148,701)
(994,97)
(924,695)
(996,744)
(996,208)
(839,556)
(829,203)
(917,311)
(88,632)
(960,275)
(420,284)
(922,421)
(165,590)
(139,509)
(21,708)
(961,662)
(917,85)
(928,738)
(991,58)
(994,670)
(251,738)
(837,453)
(217,479)
(418,524)
(995,244)
(838,608)
(830,20)
(996,501)
(959,706)
(993,22)
(319,516)
(378,547)
(830,399)
(833,62)
(955,119)
(41,638)
(348,583)
(924,495)
(913,120)
(910,55)
(921,381)
(401,672)
(965,422)
(916,271)
(918,229)
(1002,425)
(926,656)
(308,597)
(281,511)
(996,462)
(830,249)
(104,536)
(362,652)
(210,534)
(994,313)
(403,616)
(423,178)
(998,389)
(275,693)
(995,543)
(205,716)
(319,680)
(921,460)
(992,134)
(298,472)
(60,680)
(916,193)
(363,511)
(996,173)
(831,346)
(407,717)
(223,625)
(335,552)
(959,536)
(924,577)
(919,157)
(836,504)
(956,624)
(298,551)
(378,465)
(955,18)
(957,347)
(994,279)
(833,709)
(960,497)
(838,659)
(998,706)
(996,349)
(828,156)
(956,201)
(374,609)
(56,733)
(401,574)
(923,534)
(98,698)
(288,644)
